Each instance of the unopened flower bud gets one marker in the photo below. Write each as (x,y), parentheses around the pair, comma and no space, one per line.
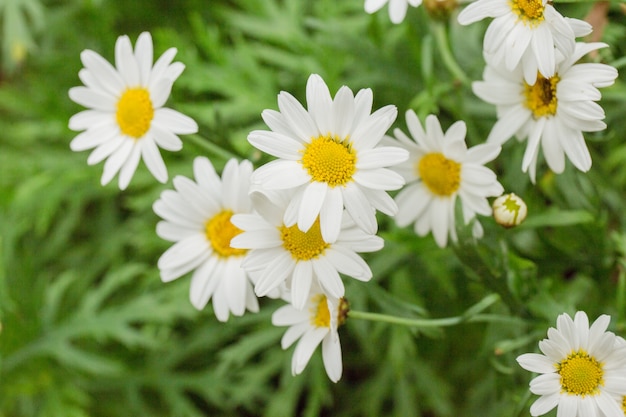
(509,210)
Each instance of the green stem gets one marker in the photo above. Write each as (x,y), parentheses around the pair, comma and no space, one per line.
(470,315)
(210,147)
(441,37)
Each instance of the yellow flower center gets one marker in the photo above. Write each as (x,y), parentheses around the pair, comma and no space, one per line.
(134,112)
(581,374)
(219,232)
(541,96)
(320,314)
(329,159)
(441,175)
(303,245)
(529,11)
(624,404)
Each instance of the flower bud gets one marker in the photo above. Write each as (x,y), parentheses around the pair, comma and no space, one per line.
(509,210)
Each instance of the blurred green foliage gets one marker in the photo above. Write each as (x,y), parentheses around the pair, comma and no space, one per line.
(88,329)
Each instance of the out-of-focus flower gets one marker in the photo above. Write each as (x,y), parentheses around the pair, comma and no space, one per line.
(316,323)
(197,216)
(329,156)
(397,8)
(440,168)
(126,120)
(553,111)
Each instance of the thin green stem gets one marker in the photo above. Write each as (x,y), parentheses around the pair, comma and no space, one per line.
(441,37)
(471,315)
(211,147)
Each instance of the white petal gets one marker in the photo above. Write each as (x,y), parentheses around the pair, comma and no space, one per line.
(342,112)
(174,121)
(184,252)
(153,160)
(312,201)
(203,283)
(115,161)
(299,120)
(349,263)
(544,404)
(331,214)
(125,62)
(359,208)
(306,347)
(276,144)
(144,57)
(301,284)
(331,354)
(92,99)
(128,169)
(280,174)
(294,333)
(380,157)
(104,72)
(535,362)
(328,277)
(275,274)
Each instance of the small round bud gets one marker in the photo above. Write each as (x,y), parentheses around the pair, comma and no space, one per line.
(509,210)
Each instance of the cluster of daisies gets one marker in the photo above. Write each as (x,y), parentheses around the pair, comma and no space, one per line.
(541,93)
(291,228)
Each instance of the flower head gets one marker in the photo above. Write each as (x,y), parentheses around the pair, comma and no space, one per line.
(581,369)
(440,168)
(552,111)
(316,323)
(526,32)
(281,254)
(197,216)
(397,8)
(328,156)
(509,210)
(126,120)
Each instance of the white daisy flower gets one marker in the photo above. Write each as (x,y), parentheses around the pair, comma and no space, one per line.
(526,31)
(397,8)
(126,120)
(328,154)
(440,168)
(552,112)
(282,254)
(197,216)
(582,369)
(317,322)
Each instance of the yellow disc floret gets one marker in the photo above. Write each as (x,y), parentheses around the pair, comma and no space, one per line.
(303,246)
(581,374)
(442,176)
(134,112)
(541,96)
(219,232)
(529,11)
(320,314)
(329,159)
